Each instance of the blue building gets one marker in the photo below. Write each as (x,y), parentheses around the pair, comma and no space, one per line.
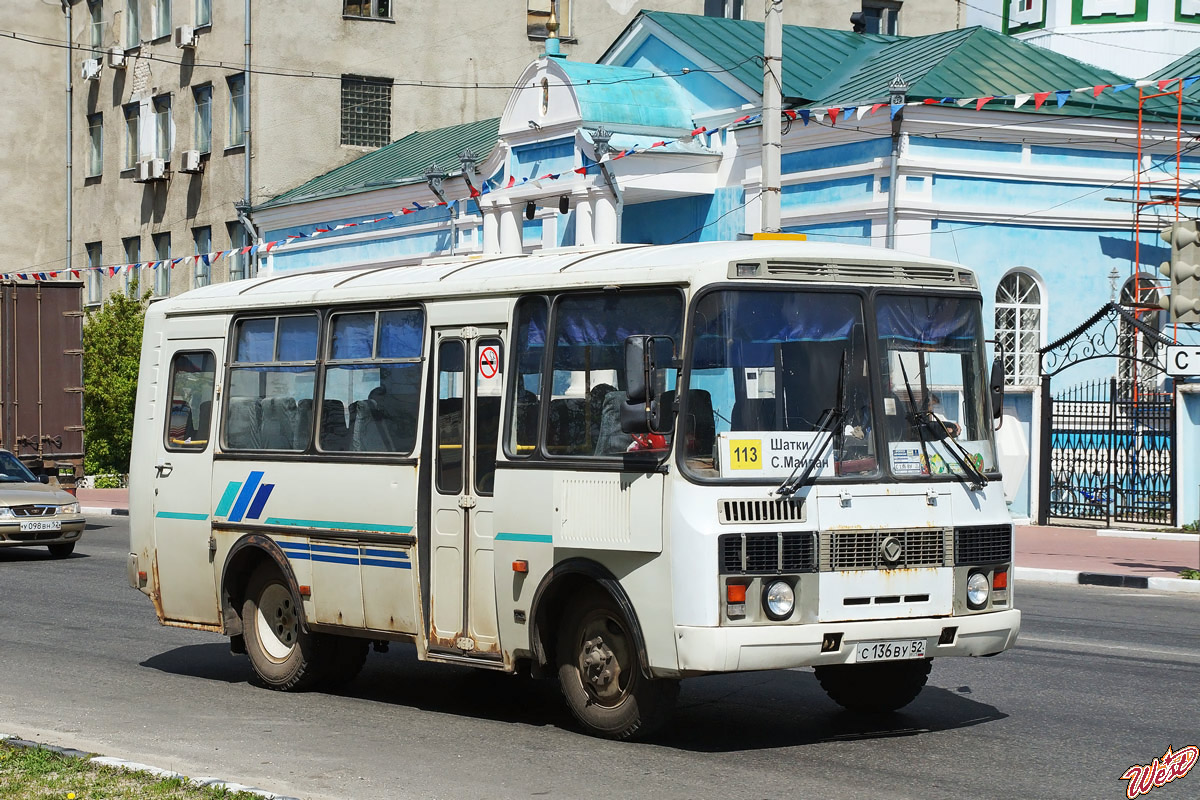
(1019,162)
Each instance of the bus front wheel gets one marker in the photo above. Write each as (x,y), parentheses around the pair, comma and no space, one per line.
(599,673)
(874,688)
(284,656)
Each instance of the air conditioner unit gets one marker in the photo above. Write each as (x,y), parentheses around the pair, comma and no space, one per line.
(158,169)
(185,36)
(116,58)
(191,162)
(143,172)
(91,69)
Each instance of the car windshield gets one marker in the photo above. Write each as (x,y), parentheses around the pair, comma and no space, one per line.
(13,471)
(778,379)
(931,366)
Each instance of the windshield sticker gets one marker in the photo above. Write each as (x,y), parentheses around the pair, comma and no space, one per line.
(770,454)
(908,458)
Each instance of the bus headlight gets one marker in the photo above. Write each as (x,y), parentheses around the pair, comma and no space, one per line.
(978,589)
(778,600)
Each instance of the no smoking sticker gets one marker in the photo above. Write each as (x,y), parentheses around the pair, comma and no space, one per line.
(489,363)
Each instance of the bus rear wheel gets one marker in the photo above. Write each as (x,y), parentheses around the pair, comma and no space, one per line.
(600,676)
(284,656)
(875,688)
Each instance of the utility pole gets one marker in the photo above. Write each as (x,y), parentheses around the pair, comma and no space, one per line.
(772,144)
(898,97)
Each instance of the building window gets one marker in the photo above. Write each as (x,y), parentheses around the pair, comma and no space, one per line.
(202,135)
(202,275)
(95,145)
(162,18)
(95,260)
(881,16)
(370,9)
(162,264)
(203,13)
(133,255)
(1020,322)
(238,239)
(538,15)
(237,109)
(162,127)
(366,111)
(132,144)
(96,25)
(730,9)
(1135,378)
(133,26)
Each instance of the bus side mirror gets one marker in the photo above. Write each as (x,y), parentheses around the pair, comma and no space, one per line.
(996,387)
(644,410)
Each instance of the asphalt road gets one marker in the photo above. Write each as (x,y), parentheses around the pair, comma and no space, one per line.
(1102,679)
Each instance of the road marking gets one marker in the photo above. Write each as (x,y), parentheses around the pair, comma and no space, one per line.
(1082,644)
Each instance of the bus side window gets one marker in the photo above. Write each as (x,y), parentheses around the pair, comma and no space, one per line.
(529,349)
(192,379)
(273,370)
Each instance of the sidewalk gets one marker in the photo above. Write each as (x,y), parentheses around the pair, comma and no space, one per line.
(1053,554)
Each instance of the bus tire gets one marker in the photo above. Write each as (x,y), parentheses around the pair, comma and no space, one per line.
(599,673)
(61,550)
(285,657)
(348,654)
(875,688)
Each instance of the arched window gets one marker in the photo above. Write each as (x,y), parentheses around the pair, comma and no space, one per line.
(1020,324)
(1132,343)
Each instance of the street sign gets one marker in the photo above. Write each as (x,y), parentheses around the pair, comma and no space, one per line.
(1183,361)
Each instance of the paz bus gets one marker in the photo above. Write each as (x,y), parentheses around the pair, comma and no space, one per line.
(621,466)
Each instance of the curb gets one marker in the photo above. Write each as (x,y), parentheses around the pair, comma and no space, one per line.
(1039,575)
(1166,536)
(133,766)
(103,511)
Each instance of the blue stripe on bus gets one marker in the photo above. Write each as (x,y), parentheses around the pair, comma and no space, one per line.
(329,548)
(371,562)
(243,499)
(181,515)
(260,500)
(385,553)
(333,525)
(543,538)
(227,499)
(334,559)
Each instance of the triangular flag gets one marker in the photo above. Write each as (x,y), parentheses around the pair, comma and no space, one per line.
(581,170)
(1039,98)
(895,107)
(658,144)
(965,101)
(860,112)
(1062,96)
(1189,81)
(74,273)
(267,247)
(743,119)
(819,114)
(833,114)
(790,113)
(699,131)
(1096,90)
(1162,85)
(981,102)
(418,207)
(805,114)
(877,106)
(511,180)
(1120,87)
(848,111)
(1021,100)
(929,101)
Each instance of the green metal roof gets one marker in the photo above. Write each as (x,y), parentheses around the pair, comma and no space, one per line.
(622,96)
(401,162)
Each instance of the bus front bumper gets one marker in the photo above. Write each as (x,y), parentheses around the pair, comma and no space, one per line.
(745,648)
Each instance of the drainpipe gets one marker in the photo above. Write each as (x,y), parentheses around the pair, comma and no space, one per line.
(66,7)
(898,90)
(772,135)
(246,117)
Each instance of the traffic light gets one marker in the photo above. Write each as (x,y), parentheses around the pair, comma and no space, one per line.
(1183,301)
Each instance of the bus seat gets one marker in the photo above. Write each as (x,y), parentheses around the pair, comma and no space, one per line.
(203,419)
(303,431)
(611,440)
(367,433)
(595,407)
(243,427)
(335,435)
(565,430)
(397,421)
(701,428)
(754,414)
(278,422)
(180,429)
(525,416)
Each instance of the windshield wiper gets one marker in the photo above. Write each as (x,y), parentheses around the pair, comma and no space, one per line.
(829,424)
(926,424)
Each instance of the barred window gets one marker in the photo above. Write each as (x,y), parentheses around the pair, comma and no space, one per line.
(371,9)
(366,111)
(1019,326)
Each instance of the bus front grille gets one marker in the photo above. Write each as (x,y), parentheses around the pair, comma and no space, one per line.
(768,553)
(873,549)
(741,511)
(983,544)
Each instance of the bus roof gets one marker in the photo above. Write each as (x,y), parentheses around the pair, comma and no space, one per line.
(576,267)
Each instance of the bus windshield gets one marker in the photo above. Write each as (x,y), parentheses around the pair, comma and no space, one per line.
(931,365)
(786,375)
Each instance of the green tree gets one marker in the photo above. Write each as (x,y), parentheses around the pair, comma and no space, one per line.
(112,346)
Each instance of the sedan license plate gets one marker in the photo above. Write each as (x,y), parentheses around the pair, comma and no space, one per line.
(41,525)
(889,651)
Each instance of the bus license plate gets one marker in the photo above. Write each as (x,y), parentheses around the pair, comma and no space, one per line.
(889,651)
(41,525)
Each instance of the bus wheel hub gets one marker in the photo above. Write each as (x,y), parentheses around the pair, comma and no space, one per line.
(600,667)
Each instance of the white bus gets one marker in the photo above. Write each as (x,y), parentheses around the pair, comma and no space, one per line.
(622,465)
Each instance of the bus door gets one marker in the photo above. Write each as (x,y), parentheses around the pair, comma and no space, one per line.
(182,478)
(466,420)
